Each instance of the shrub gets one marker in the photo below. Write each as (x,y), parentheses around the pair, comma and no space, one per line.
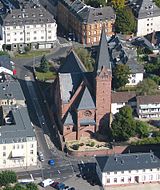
(92,144)
(81,144)
(75,146)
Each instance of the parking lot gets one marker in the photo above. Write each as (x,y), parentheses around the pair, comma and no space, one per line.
(77,183)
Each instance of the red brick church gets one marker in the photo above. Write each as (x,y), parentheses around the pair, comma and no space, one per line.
(83,99)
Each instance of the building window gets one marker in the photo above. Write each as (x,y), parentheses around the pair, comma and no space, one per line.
(122,179)
(22,146)
(8,28)
(21,32)
(4,154)
(115,172)
(4,161)
(4,147)
(28,39)
(49,25)
(49,37)
(17,146)
(31,151)
(42,31)
(133,81)
(115,180)
(122,172)
(32,145)
(49,31)
(41,25)
(8,34)
(94,39)
(15,39)
(14,27)
(28,32)
(42,37)
(28,26)
(89,33)
(8,40)
(108,180)
(95,32)
(129,179)
(15,33)
(35,38)
(129,171)
(35,32)
(143,178)
(144,170)
(13,146)
(108,173)
(151,177)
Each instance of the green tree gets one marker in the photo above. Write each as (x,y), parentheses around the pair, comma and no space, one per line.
(142,129)
(121,74)
(118,4)
(157,2)
(146,87)
(32,186)
(125,21)
(95,3)
(19,187)
(8,188)
(7,177)
(44,65)
(85,56)
(123,125)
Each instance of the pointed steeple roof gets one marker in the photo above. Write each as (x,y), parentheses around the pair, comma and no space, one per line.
(103,57)
(86,101)
(68,120)
(72,64)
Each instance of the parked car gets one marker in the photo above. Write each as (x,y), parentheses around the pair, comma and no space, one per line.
(54,184)
(41,156)
(60,186)
(47,182)
(51,162)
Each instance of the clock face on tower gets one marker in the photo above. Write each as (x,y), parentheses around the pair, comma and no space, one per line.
(87,113)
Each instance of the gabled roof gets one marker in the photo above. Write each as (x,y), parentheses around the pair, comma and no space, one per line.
(5,62)
(144,8)
(72,64)
(86,101)
(103,57)
(130,161)
(68,120)
(123,97)
(149,99)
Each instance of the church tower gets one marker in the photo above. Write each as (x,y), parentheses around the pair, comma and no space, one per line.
(103,78)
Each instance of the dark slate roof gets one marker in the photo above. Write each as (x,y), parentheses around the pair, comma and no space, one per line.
(87,121)
(5,62)
(69,83)
(72,64)
(86,101)
(134,66)
(124,162)
(88,14)
(68,120)
(144,8)
(28,16)
(103,57)
(149,99)
(121,97)
(21,130)
(11,90)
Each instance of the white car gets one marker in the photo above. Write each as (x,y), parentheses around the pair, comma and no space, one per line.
(41,156)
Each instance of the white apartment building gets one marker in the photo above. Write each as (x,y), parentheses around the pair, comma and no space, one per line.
(147,15)
(18,145)
(127,169)
(33,27)
(148,106)
(121,99)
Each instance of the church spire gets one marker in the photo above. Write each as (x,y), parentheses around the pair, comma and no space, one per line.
(103,57)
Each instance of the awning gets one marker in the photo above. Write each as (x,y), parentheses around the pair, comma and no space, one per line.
(17,154)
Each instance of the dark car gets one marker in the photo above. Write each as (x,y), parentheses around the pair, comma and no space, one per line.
(54,184)
(72,188)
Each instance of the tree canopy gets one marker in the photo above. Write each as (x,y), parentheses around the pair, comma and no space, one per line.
(44,66)
(125,21)
(146,87)
(95,3)
(85,57)
(157,2)
(118,4)
(123,125)
(121,74)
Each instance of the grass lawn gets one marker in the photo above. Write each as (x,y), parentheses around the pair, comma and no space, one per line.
(45,76)
(32,54)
